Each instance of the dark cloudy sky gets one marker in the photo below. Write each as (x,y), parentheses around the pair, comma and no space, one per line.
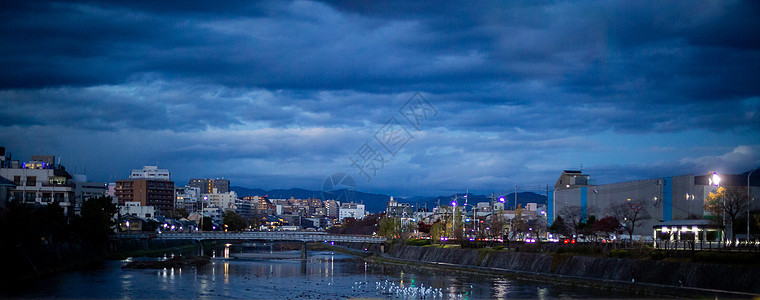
(282,94)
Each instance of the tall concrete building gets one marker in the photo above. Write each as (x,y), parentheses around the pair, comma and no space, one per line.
(331,208)
(148,192)
(221,185)
(208,185)
(204,184)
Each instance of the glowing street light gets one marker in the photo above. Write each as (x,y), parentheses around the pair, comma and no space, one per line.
(501,199)
(715,179)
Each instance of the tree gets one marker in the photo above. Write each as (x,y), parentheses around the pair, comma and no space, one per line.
(407,231)
(606,225)
(388,227)
(559,226)
(573,215)
(207,223)
(233,222)
(586,227)
(424,227)
(459,224)
(518,223)
(97,220)
(497,224)
(729,201)
(630,214)
(437,230)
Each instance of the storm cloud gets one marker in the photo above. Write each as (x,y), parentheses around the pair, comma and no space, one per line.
(281,94)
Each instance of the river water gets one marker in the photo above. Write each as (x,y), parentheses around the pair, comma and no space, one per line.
(324,275)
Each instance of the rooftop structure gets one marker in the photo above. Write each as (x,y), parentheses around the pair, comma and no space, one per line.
(150,172)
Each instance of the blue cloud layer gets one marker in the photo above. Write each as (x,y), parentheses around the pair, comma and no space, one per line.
(280,94)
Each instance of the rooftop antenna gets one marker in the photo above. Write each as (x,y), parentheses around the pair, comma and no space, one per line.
(581,168)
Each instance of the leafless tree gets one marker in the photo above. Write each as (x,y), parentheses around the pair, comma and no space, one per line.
(573,216)
(630,214)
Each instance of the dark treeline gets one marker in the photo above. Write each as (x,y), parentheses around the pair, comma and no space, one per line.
(39,239)
(30,225)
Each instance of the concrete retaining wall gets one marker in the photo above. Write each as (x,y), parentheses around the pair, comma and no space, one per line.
(707,276)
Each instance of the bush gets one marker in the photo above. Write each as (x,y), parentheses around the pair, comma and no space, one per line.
(418,242)
(620,253)
(657,255)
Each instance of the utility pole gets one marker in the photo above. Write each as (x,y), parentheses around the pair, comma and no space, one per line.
(515,197)
(749,196)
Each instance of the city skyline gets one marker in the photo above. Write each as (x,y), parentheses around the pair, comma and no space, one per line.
(284,94)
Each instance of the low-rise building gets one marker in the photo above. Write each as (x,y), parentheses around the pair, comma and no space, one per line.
(136,209)
(39,181)
(84,189)
(187,198)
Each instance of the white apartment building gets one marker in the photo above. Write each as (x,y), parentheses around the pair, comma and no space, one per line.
(187,197)
(220,200)
(150,172)
(351,210)
(136,210)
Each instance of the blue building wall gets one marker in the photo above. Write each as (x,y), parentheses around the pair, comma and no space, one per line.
(584,203)
(550,208)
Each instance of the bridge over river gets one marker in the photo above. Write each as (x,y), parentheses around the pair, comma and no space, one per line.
(272,236)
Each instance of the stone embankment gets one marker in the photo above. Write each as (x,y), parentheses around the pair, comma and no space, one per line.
(723,277)
(29,262)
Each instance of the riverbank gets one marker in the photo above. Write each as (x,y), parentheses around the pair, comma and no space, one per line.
(647,278)
(24,263)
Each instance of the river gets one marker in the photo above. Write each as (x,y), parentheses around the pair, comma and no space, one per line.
(324,275)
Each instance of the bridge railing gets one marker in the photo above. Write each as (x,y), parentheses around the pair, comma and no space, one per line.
(256,235)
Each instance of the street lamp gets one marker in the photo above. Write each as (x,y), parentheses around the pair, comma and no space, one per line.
(453,218)
(715,179)
(749,196)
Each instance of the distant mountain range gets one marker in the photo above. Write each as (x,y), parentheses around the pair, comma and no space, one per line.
(375,203)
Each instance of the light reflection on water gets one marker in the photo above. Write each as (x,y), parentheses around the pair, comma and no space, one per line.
(323,275)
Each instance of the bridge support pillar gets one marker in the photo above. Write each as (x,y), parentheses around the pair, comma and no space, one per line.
(303,251)
(382,248)
(200,248)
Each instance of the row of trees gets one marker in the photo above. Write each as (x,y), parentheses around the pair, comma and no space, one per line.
(621,217)
(24,224)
